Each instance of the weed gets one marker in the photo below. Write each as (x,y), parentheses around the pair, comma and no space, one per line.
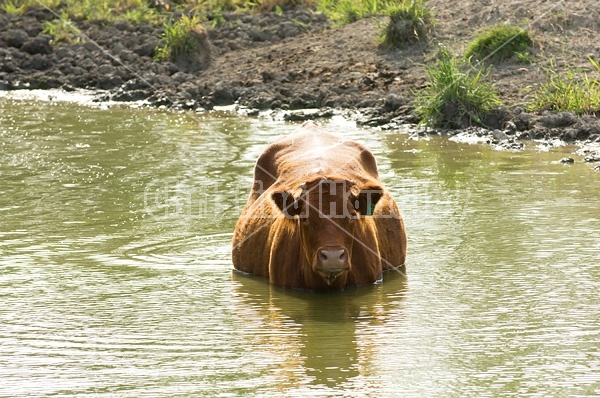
(573,92)
(178,37)
(409,22)
(456,95)
(143,14)
(12,8)
(90,10)
(279,5)
(61,30)
(217,18)
(346,11)
(595,64)
(19,7)
(498,43)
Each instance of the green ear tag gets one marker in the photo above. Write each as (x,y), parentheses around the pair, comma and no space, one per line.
(371,209)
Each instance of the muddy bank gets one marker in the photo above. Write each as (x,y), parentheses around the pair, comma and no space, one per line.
(117,60)
(297,61)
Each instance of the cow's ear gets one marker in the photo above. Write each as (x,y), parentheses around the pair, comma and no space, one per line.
(286,203)
(366,200)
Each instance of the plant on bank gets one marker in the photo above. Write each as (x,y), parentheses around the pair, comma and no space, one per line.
(456,95)
(347,11)
(178,38)
(61,30)
(409,22)
(13,8)
(272,5)
(570,91)
(142,14)
(499,43)
(19,7)
(136,11)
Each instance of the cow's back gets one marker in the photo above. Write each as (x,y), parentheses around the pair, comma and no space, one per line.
(312,151)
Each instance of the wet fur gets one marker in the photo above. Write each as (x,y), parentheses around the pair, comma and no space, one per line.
(267,243)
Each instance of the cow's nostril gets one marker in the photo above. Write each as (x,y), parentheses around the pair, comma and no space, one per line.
(332,258)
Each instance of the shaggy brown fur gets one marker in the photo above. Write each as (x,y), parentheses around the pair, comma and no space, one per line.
(314,190)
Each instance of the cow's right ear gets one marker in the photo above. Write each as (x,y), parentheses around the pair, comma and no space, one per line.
(286,203)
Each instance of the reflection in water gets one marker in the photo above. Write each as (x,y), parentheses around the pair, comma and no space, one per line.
(315,334)
(115,269)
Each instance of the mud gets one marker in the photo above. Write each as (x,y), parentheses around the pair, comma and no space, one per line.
(296,61)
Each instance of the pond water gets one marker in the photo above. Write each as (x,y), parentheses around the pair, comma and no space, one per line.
(116,277)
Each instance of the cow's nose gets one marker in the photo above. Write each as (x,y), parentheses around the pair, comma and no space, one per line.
(332,258)
(331,263)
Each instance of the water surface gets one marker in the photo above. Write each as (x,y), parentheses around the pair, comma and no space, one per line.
(115,270)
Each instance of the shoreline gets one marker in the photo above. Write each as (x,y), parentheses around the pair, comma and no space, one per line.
(471,135)
(288,64)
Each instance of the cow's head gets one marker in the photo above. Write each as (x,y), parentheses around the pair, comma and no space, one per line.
(327,212)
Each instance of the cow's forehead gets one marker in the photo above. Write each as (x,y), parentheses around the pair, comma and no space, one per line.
(332,185)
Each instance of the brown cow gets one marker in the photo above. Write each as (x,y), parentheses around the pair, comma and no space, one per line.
(318,217)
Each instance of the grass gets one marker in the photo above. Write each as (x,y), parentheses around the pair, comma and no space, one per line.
(409,22)
(13,8)
(136,11)
(19,7)
(142,14)
(347,11)
(61,30)
(499,43)
(570,91)
(107,10)
(178,37)
(273,5)
(457,96)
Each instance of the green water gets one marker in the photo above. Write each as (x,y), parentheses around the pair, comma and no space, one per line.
(116,278)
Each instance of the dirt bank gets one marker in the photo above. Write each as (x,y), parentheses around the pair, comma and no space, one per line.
(297,60)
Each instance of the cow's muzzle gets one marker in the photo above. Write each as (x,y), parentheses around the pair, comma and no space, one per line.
(331,262)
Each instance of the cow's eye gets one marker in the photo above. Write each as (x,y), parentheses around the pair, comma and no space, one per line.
(304,219)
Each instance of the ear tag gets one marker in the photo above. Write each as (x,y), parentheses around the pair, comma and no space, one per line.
(371,209)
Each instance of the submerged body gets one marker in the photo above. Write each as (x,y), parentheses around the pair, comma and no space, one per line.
(318,217)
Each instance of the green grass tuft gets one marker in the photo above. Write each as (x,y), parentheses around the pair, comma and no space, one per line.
(499,43)
(136,11)
(342,12)
(456,96)
(178,38)
(275,5)
(61,30)
(142,14)
(13,8)
(409,22)
(19,7)
(572,92)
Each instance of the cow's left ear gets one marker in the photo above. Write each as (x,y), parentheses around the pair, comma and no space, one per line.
(367,198)
(286,203)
